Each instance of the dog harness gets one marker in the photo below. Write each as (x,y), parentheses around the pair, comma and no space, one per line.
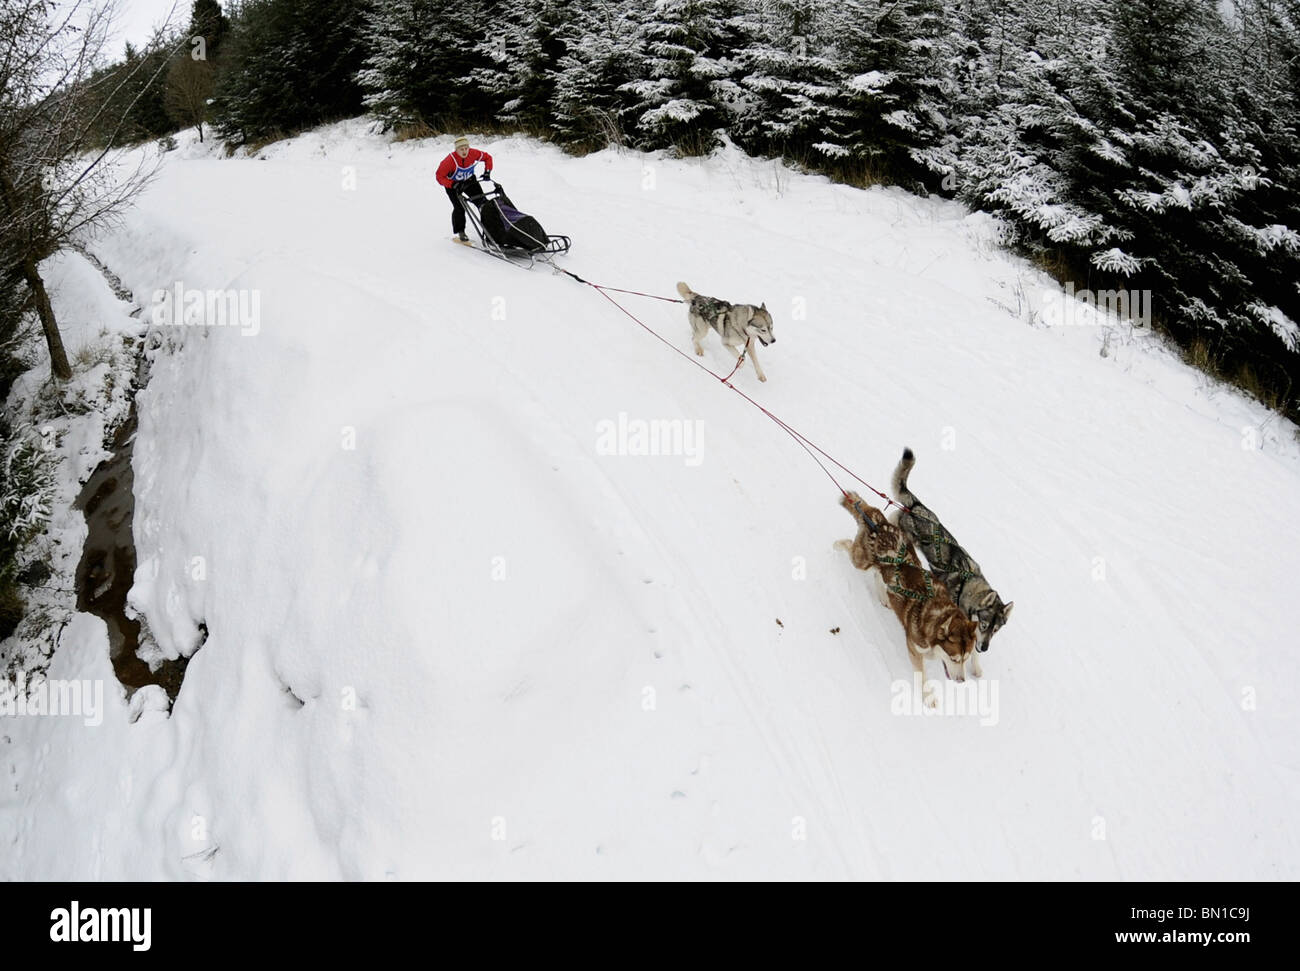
(938,542)
(710,308)
(898,562)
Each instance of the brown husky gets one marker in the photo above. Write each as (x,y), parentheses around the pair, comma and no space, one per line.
(930,618)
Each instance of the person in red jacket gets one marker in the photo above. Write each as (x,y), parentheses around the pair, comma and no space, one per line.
(456,173)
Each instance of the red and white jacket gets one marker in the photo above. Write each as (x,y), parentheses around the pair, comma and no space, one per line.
(453,170)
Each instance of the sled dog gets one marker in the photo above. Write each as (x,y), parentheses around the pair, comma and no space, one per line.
(948,561)
(932,622)
(736,324)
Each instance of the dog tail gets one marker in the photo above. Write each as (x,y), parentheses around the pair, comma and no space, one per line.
(686,292)
(899,483)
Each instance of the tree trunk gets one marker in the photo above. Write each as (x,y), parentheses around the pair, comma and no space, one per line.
(58,356)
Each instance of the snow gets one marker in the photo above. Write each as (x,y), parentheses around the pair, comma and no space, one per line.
(100,338)
(1115,260)
(1276,236)
(1282,325)
(872,82)
(450,637)
(1105,149)
(900,119)
(676,110)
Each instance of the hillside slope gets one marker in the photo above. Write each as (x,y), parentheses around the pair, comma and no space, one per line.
(449,638)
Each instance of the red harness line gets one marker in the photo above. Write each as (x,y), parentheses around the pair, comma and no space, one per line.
(802,441)
(636,293)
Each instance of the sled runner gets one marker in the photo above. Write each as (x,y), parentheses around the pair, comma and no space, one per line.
(503,230)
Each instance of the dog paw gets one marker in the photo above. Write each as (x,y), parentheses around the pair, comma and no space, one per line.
(762,377)
(932,700)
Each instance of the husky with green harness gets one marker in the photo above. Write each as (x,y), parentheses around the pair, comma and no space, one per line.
(736,323)
(950,563)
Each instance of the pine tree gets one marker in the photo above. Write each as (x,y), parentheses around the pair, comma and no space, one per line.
(692,88)
(1165,52)
(524,55)
(209,22)
(1055,144)
(591,105)
(289,64)
(791,76)
(894,101)
(1203,199)
(421,58)
(1148,169)
(134,91)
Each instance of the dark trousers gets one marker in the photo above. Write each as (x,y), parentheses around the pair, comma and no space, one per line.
(458,207)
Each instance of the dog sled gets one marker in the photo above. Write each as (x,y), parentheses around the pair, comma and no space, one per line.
(503,230)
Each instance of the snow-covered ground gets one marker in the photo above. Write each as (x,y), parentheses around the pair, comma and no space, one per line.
(451,636)
(68,424)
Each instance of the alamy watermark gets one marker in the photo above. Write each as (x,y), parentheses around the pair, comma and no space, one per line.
(956,698)
(53,698)
(182,306)
(655,436)
(1095,308)
(130,925)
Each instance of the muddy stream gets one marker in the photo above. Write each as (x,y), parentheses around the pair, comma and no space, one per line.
(108,559)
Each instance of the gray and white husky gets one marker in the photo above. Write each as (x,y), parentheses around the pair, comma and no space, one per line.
(948,561)
(736,324)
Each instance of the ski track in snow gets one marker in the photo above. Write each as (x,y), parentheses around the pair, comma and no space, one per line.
(566,664)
